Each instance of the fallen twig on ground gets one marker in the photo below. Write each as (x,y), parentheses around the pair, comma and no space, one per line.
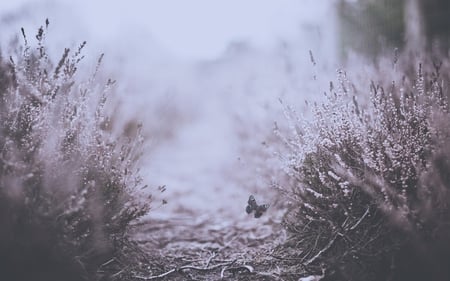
(209,259)
(183,268)
(235,269)
(268,274)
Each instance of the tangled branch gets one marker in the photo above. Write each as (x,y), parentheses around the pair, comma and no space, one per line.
(184,268)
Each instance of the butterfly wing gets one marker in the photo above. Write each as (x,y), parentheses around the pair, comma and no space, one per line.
(259,211)
(251,204)
(249,209)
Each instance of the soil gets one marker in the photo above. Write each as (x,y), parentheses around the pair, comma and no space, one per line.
(198,228)
(202,248)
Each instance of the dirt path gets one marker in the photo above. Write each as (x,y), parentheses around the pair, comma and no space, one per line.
(203,232)
(202,248)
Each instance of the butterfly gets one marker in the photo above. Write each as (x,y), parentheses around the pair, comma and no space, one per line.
(253,206)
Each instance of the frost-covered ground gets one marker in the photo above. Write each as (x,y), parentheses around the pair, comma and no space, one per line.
(207,108)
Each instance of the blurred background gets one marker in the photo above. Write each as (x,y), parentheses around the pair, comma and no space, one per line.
(206,77)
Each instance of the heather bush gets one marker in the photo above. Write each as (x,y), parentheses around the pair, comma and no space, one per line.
(66,181)
(368,180)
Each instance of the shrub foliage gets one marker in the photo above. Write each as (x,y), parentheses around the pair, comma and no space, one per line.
(66,181)
(369,180)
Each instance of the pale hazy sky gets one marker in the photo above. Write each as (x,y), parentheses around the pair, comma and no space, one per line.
(195,29)
(196,113)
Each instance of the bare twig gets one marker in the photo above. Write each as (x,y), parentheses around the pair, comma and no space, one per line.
(328,246)
(268,274)
(360,219)
(108,262)
(209,259)
(155,276)
(118,273)
(183,268)
(222,272)
(201,268)
(236,268)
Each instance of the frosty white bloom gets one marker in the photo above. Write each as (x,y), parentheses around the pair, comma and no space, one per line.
(334,176)
(326,142)
(315,193)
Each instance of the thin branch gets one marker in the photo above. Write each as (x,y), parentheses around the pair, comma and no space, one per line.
(108,262)
(209,259)
(183,268)
(155,276)
(118,273)
(202,268)
(223,271)
(328,246)
(360,219)
(248,268)
(234,269)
